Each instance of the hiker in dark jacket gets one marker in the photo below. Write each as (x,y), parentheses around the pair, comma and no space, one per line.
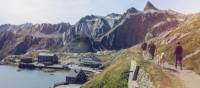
(152,50)
(144,46)
(179,55)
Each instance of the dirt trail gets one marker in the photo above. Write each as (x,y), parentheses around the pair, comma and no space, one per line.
(189,78)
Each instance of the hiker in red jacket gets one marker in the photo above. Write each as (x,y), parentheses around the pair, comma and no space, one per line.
(179,55)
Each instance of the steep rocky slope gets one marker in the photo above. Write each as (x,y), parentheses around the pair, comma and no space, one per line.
(135,26)
(18,39)
(187,34)
(84,33)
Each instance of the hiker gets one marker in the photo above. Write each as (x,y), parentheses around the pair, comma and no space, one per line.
(151,50)
(178,53)
(144,46)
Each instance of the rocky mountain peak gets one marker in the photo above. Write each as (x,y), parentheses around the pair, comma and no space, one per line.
(89,17)
(149,6)
(132,10)
(113,16)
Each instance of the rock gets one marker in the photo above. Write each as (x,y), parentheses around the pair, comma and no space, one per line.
(149,6)
(144,79)
(134,27)
(192,54)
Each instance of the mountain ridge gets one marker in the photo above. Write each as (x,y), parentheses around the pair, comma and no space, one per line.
(91,33)
(149,6)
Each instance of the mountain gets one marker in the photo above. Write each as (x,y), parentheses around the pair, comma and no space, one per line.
(84,33)
(91,33)
(149,6)
(187,34)
(136,26)
(18,39)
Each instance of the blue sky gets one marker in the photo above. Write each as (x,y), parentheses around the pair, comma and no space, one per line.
(55,11)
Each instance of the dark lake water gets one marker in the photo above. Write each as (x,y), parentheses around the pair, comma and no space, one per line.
(11,78)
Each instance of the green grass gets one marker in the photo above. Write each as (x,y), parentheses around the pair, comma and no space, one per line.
(190,43)
(159,78)
(114,76)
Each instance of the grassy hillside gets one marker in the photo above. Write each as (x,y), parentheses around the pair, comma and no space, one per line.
(159,78)
(188,34)
(114,76)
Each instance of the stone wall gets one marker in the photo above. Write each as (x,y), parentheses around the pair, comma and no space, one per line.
(144,80)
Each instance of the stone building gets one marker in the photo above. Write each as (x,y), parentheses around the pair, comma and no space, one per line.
(76,77)
(90,62)
(26,60)
(47,58)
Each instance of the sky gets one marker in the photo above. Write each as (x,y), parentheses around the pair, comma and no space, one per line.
(56,11)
